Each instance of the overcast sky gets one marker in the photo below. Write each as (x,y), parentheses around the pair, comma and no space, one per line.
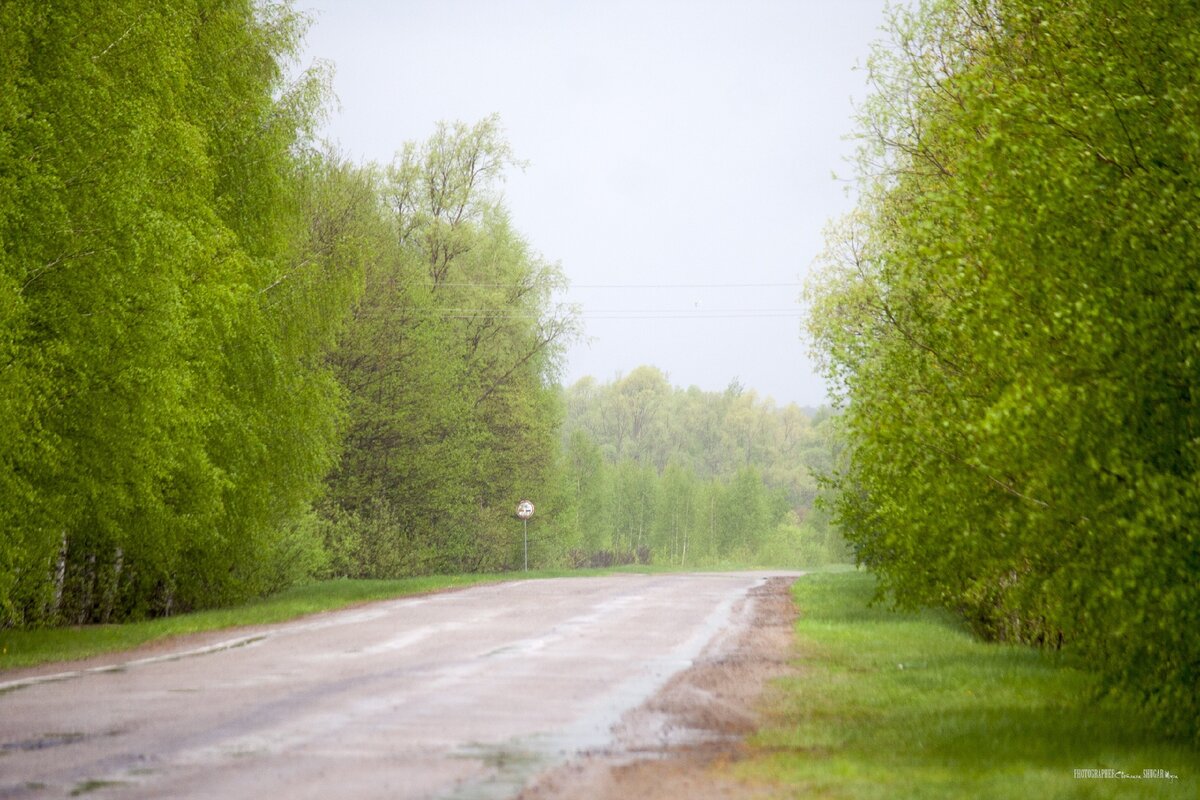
(687,144)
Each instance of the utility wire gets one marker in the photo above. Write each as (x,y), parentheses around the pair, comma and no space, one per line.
(588,311)
(467,284)
(631,316)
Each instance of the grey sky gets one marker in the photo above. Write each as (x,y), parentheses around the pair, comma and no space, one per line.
(668,143)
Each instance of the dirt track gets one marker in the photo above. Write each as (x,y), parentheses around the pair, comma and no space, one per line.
(471,694)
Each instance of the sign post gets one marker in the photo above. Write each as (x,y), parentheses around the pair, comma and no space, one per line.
(524,512)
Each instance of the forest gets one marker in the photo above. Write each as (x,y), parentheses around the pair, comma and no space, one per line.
(1011,320)
(233,360)
(697,478)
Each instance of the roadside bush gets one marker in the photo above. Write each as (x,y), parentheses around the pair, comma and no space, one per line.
(1012,319)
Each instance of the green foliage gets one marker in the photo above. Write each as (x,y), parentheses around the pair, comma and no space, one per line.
(167,289)
(448,364)
(1012,316)
(178,263)
(694,477)
(205,320)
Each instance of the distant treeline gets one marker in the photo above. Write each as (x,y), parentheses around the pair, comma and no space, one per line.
(694,477)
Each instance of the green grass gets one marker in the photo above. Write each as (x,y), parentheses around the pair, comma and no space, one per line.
(891,705)
(27,648)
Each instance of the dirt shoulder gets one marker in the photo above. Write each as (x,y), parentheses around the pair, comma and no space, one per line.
(675,745)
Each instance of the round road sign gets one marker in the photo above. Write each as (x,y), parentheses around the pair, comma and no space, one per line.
(524,509)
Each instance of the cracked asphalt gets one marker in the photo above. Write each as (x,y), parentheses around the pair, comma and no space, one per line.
(459,695)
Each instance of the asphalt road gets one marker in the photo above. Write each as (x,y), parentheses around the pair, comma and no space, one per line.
(458,695)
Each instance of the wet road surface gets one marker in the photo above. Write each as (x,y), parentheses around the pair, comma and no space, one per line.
(458,695)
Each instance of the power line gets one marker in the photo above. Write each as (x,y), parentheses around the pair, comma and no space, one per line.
(684,285)
(590,311)
(628,315)
(467,284)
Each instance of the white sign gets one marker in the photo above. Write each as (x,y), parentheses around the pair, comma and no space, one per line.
(524,509)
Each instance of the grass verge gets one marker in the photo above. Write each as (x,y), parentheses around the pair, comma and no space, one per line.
(28,648)
(891,705)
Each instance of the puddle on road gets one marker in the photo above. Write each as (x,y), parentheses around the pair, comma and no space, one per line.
(512,763)
(515,762)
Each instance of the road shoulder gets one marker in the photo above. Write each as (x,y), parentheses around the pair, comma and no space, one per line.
(676,744)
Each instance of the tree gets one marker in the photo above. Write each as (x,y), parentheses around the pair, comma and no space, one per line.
(588,481)
(674,522)
(448,363)
(164,305)
(1011,314)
